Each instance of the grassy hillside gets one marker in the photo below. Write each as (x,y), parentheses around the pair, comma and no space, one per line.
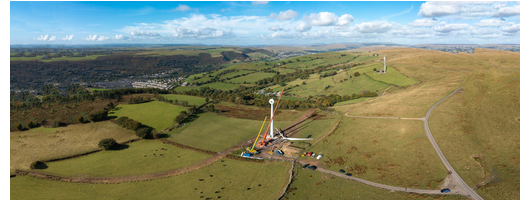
(251,78)
(46,143)
(228,179)
(156,114)
(142,157)
(392,77)
(478,131)
(316,185)
(392,152)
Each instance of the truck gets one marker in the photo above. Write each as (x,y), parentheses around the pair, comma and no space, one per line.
(279,152)
(247,155)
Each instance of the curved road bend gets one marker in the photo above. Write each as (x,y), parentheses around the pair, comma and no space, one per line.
(470,191)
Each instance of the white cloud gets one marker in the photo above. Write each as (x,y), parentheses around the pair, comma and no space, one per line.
(145,33)
(508,11)
(443,27)
(491,22)
(284,15)
(511,28)
(373,27)
(96,38)
(322,19)
(278,28)
(345,19)
(302,27)
(202,33)
(182,8)
(427,22)
(259,2)
(67,37)
(225,9)
(45,38)
(437,9)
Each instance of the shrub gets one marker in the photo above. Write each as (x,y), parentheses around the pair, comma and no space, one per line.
(145,132)
(19,127)
(98,116)
(375,69)
(356,74)
(56,124)
(121,120)
(132,125)
(107,143)
(80,119)
(38,165)
(30,124)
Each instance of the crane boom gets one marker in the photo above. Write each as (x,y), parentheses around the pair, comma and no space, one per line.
(272,117)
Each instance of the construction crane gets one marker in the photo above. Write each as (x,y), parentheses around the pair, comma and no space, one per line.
(264,142)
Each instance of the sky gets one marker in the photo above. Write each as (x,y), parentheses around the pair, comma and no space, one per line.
(264,23)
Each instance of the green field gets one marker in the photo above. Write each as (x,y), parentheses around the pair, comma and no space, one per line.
(392,77)
(228,179)
(163,52)
(352,101)
(156,114)
(142,157)
(232,74)
(310,184)
(192,100)
(251,78)
(222,86)
(187,88)
(217,133)
(391,152)
(317,128)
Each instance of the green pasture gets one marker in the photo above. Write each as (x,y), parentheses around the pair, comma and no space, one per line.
(192,100)
(213,132)
(251,78)
(142,157)
(352,101)
(392,77)
(227,179)
(156,114)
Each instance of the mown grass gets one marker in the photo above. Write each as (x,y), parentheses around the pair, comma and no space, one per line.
(478,132)
(251,78)
(392,152)
(192,100)
(142,157)
(213,132)
(156,114)
(310,184)
(352,101)
(392,77)
(47,143)
(228,179)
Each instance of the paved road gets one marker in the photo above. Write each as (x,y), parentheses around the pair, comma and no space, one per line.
(470,191)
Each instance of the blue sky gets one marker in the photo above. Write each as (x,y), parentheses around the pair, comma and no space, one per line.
(264,23)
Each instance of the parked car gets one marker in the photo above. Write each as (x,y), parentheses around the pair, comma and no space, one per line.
(308,136)
(342,171)
(348,174)
(312,167)
(313,155)
(305,166)
(319,157)
(446,190)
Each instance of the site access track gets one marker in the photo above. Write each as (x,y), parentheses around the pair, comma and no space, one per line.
(470,192)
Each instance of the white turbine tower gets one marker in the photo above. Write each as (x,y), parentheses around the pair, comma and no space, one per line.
(271,133)
(384,63)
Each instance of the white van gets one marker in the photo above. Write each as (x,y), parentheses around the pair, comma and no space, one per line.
(319,157)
